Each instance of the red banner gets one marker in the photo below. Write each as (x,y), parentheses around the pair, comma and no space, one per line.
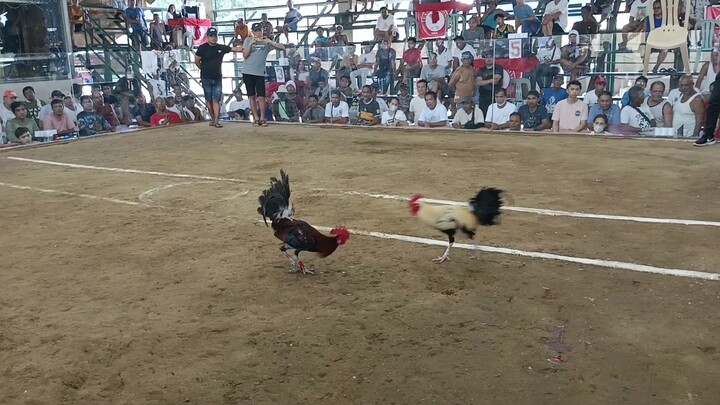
(514,67)
(433,18)
(197,27)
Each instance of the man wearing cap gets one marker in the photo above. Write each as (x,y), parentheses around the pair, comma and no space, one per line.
(591,98)
(463,80)
(255,51)
(284,109)
(6,112)
(461,47)
(574,56)
(208,58)
(554,94)
(469,116)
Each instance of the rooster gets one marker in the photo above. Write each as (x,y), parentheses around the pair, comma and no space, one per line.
(295,234)
(484,209)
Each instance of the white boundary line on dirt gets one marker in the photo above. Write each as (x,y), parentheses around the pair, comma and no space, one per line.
(540,255)
(135,171)
(539,211)
(88,196)
(542,211)
(413,239)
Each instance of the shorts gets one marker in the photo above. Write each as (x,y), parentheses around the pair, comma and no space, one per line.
(254,85)
(212,89)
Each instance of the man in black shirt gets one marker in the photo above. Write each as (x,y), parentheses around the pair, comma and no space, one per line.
(368,108)
(208,58)
(588,25)
(488,79)
(143,111)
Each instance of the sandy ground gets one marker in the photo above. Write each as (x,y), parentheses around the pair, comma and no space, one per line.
(181,295)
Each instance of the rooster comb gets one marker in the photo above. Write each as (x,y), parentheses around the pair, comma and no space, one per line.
(341,233)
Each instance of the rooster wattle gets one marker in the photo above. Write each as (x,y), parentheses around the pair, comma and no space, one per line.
(295,234)
(483,209)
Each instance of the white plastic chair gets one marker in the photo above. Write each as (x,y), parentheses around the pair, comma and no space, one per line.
(670,34)
(707,32)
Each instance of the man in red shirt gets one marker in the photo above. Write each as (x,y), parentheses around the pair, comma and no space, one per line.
(411,63)
(106,110)
(163,116)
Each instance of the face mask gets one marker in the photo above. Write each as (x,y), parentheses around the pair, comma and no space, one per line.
(392,108)
(598,128)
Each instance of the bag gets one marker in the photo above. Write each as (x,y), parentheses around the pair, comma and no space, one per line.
(471,124)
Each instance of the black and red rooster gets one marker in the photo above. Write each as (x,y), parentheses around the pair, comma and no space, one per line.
(295,234)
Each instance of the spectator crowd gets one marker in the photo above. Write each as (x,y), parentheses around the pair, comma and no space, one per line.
(463,86)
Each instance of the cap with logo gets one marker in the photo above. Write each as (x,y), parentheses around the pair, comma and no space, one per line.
(467,55)
(601,79)
(256,27)
(212,32)
(10,93)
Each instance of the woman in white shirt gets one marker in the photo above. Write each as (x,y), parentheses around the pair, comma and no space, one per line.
(394,116)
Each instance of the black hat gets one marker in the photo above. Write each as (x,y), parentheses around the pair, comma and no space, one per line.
(256,27)
(212,32)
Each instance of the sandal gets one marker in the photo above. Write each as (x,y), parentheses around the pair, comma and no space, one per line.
(263,123)
(256,123)
(212,124)
(218,125)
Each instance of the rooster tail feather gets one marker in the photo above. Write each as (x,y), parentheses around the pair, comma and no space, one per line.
(486,205)
(275,200)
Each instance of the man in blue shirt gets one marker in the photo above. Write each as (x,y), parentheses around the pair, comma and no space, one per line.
(605,106)
(135,18)
(553,95)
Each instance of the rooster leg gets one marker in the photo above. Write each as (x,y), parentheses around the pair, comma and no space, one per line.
(295,266)
(476,252)
(446,256)
(301,265)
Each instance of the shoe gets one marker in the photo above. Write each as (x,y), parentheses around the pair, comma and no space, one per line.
(705,141)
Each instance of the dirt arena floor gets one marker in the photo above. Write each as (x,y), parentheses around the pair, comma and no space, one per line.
(128,287)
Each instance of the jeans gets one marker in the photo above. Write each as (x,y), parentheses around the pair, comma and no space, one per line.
(212,89)
(385,80)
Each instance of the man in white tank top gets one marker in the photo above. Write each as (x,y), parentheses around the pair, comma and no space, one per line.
(660,108)
(688,110)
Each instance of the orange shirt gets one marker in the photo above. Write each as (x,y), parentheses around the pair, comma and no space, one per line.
(242,33)
(76,13)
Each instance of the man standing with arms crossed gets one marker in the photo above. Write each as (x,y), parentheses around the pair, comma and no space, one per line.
(208,58)
(255,51)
